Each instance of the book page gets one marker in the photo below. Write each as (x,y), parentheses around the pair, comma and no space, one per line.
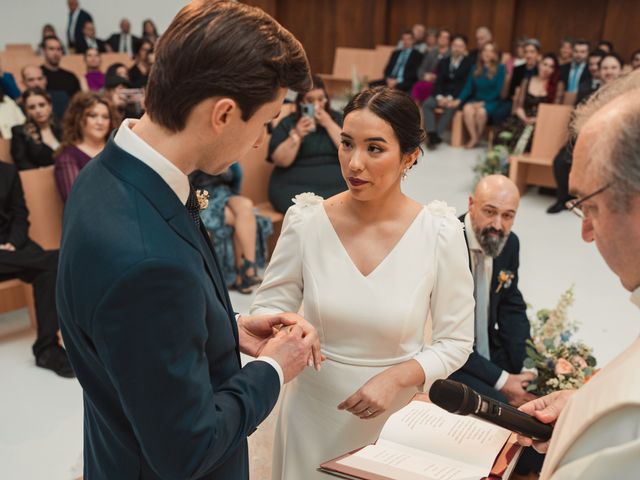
(402,463)
(429,428)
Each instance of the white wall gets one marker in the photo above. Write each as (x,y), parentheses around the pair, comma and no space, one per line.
(21,21)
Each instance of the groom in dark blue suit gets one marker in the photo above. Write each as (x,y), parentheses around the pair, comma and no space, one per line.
(144,312)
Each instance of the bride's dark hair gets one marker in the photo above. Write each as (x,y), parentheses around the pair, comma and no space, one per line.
(397,109)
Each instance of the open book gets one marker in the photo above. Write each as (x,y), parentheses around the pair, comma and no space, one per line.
(424,442)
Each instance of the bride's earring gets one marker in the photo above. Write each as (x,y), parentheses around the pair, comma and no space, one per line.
(404,174)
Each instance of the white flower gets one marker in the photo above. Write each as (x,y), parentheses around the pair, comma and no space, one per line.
(203,199)
(307,198)
(441,209)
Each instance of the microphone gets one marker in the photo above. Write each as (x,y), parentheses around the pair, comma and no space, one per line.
(458,398)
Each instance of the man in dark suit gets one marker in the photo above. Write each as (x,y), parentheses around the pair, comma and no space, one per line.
(124,42)
(401,71)
(22,258)
(577,72)
(77,18)
(144,311)
(495,367)
(89,40)
(451,75)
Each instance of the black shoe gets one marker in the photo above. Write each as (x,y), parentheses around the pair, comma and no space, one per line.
(55,359)
(557,207)
(436,139)
(432,140)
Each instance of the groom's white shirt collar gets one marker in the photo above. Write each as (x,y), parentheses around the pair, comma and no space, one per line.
(131,143)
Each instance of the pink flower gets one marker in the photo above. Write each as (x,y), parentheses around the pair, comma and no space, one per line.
(579,362)
(563,367)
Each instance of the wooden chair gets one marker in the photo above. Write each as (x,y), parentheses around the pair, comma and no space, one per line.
(346,61)
(13,61)
(550,135)
(19,47)
(5,150)
(569,98)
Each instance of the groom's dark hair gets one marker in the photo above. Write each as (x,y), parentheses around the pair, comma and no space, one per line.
(221,48)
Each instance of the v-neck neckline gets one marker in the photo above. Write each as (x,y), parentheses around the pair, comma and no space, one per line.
(387,255)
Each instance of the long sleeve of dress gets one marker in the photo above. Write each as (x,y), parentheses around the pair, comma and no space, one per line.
(468,87)
(66,170)
(452,304)
(282,288)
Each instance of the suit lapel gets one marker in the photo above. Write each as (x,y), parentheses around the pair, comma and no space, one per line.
(136,173)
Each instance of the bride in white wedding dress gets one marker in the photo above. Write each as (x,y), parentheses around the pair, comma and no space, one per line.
(370,265)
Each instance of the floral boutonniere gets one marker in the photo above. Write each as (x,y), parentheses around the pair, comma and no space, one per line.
(203,199)
(504,279)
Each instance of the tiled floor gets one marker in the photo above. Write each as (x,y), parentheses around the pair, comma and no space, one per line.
(41,414)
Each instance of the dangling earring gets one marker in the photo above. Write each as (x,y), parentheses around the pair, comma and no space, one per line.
(404,174)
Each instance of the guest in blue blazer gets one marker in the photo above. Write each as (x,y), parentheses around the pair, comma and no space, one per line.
(145,316)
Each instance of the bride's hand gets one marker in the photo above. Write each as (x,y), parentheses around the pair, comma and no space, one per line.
(374,397)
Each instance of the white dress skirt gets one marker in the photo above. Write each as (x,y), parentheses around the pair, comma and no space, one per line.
(366,324)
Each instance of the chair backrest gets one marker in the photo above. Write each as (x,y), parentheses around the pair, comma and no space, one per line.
(552,130)
(109,59)
(45,206)
(19,47)
(363,60)
(569,98)
(14,60)
(5,150)
(74,63)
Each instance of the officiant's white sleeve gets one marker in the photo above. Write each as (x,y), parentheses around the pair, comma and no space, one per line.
(452,303)
(281,290)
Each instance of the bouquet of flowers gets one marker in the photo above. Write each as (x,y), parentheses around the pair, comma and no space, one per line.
(562,364)
(496,159)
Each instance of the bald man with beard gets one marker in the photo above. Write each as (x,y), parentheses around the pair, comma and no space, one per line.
(495,367)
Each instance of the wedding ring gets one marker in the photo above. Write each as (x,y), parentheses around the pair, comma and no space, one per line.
(368,412)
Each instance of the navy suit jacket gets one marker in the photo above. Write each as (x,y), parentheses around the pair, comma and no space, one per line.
(83,17)
(151,334)
(411,66)
(509,326)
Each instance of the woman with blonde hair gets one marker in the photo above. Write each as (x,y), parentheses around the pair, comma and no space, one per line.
(481,94)
(86,126)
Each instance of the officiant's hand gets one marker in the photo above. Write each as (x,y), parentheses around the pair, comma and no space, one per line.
(547,409)
(255,331)
(515,388)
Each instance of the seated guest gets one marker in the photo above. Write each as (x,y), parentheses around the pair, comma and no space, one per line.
(150,32)
(33,78)
(8,84)
(431,39)
(605,45)
(239,236)
(128,102)
(58,79)
(419,38)
(635,60)
(10,115)
(304,149)
(93,80)
(574,73)
(592,82)
(139,71)
(483,36)
(427,70)
(451,75)
(531,51)
(124,41)
(89,40)
(22,258)
(48,30)
(33,144)
(117,70)
(401,71)
(495,367)
(481,93)
(609,70)
(565,52)
(543,87)
(85,128)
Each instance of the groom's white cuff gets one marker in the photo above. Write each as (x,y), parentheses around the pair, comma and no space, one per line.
(275,365)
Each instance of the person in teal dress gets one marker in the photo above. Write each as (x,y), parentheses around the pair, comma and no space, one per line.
(481,94)
(304,149)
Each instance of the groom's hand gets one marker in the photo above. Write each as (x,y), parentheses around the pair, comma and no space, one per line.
(256,331)
(290,348)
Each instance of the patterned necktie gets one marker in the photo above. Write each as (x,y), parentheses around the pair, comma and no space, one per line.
(482,307)
(193,207)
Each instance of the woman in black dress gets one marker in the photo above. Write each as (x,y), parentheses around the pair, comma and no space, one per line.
(304,148)
(33,144)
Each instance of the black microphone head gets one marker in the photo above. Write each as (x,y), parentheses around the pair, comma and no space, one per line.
(453,396)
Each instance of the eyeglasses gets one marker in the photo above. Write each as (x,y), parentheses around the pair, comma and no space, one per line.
(574,205)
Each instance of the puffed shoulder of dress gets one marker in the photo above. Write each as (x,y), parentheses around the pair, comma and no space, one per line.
(445,216)
(304,204)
